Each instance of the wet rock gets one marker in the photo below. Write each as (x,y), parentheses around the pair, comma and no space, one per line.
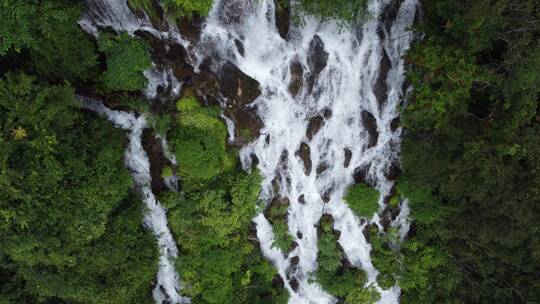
(385,218)
(305,155)
(390,13)
(393,172)
(317,60)
(314,126)
(370,124)
(294,284)
(361,174)
(327,113)
(277,282)
(380,88)
(293,266)
(302,199)
(394,124)
(234,12)
(299,235)
(158,161)
(283,15)
(237,91)
(297,77)
(321,168)
(326,194)
(317,56)
(190,28)
(239,47)
(254,159)
(348,157)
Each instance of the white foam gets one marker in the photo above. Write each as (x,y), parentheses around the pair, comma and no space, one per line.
(345,87)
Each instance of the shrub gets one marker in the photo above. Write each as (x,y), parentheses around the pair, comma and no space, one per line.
(363,200)
(187,8)
(200,143)
(127,58)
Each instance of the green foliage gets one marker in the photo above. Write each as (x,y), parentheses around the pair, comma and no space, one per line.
(368,295)
(217,262)
(330,255)
(63,231)
(282,238)
(211,218)
(187,8)
(200,143)
(344,282)
(363,200)
(347,12)
(469,158)
(48,32)
(127,58)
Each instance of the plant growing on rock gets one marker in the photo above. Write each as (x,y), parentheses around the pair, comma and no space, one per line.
(363,200)
(127,58)
(200,143)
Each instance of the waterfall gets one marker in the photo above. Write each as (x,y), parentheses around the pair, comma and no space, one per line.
(340,69)
(167,287)
(329,91)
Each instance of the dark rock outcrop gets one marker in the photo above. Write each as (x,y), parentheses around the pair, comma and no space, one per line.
(297,77)
(158,161)
(317,60)
(361,174)
(380,88)
(370,124)
(314,126)
(304,153)
(236,91)
(348,157)
(283,16)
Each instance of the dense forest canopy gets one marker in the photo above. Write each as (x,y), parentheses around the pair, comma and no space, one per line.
(71,220)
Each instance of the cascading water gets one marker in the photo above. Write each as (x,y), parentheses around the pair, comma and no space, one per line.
(341,68)
(327,91)
(167,287)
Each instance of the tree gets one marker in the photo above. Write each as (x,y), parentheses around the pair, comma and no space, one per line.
(127,59)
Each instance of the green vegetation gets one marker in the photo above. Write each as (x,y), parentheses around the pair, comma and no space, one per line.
(65,213)
(200,141)
(277,215)
(127,58)
(70,232)
(470,156)
(348,12)
(211,218)
(187,8)
(339,280)
(363,200)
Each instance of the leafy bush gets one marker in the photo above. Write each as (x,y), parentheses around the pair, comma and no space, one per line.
(344,282)
(282,238)
(127,58)
(346,12)
(187,8)
(363,200)
(200,143)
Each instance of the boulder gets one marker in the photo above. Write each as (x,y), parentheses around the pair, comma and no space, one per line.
(370,124)
(297,77)
(304,153)
(283,16)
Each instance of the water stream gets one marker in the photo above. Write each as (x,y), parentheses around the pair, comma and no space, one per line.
(341,83)
(341,92)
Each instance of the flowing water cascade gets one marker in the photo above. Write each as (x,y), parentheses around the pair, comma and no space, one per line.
(340,70)
(167,288)
(328,105)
